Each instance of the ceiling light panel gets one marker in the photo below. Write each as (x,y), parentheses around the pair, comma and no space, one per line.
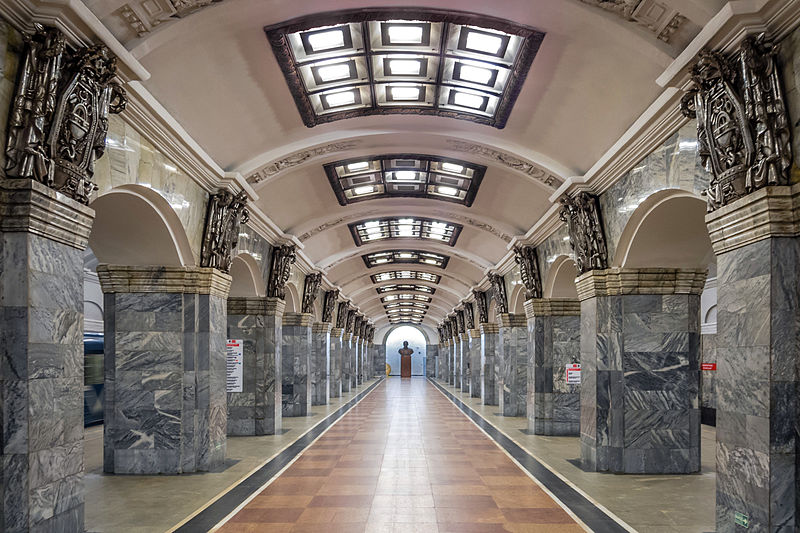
(368,231)
(406,297)
(405,256)
(398,59)
(405,275)
(405,175)
(405,287)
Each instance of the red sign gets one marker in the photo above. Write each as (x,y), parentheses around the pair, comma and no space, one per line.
(708,366)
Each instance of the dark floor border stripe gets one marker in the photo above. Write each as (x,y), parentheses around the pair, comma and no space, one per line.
(591,515)
(217,511)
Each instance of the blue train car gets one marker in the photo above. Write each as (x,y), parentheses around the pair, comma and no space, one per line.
(92,379)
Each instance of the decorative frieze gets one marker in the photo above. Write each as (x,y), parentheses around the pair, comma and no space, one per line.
(482,305)
(225,213)
(298,158)
(528,262)
(505,159)
(552,307)
(163,279)
(614,281)
(310,288)
(469,316)
(329,304)
(59,117)
(657,17)
(586,236)
(283,257)
(743,127)
(499,291)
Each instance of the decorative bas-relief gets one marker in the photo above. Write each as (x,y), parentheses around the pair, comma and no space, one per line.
(11,47)
(226,212)
(298,158)
(283,257)
(528,261)
(310,290)
(656,17)
(499,292)
(586,236)
(507,160)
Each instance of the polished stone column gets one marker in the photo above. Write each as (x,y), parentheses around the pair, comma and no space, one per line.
(474,362)
(758,327)
(444,361)
(430,360)
(512,365)
(364,360)
(554,341)
(455,358)
(165,369)
(356,351)
(463,379)
(379,360)
(337,351)
(490,344)
(320,362)
(41,340)
(257,409)
(640,370)
(347,362)
(296,363)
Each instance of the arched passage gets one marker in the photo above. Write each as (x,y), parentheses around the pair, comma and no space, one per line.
(560,282)
(292,299)
(416,341)
(518,300)
(246,281)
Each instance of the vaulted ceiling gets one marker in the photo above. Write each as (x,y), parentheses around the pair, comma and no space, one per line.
(212,67)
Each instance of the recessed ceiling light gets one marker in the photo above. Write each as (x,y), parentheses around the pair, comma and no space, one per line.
(468,100)
(355,167)
(475,74)
(406,255)
(380,261)
(482,42)
(405,67)
(373,231)
(438,227)
(452,167)
(430,261)
(403,34)
(405,175)
(449,191)
(341,98)
(405,231)
(326,40)
(339,71)
(405,93)
(366,189)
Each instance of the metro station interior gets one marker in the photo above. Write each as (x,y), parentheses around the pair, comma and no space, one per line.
(273,266)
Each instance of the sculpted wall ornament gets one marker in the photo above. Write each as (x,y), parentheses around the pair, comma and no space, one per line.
(341,315)
(143,16)
(310,289)
(371,333)
(283,257)
(351,320)
(528,261)
(469,315)
(362,330)
(460,321)
(298,158)
(329,304)
(499,290)
(507,160)
(743,128)
(483,306)
(641,12)
(586,236)
(224,215)
(359,320)
(453,326)
(59,115)
(440,330)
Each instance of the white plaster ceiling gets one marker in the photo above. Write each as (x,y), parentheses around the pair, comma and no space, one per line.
(215,72)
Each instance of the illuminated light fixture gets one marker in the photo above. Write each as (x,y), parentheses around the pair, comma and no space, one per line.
(405,93)
(405,255)
(326,40)
(475,74)
(405,175)
(366,189)
(405,274)
(403,228)
(381,261)
(449,191)
(341,98)
(404,34)
(430,261)
(473,101)
(335,72)
(438,228)
(355,167)
(483,42)
(405,231)
(452,167)
(405,67)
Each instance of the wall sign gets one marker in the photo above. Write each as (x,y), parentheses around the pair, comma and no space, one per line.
(574,374)
(235,364)
(708,366)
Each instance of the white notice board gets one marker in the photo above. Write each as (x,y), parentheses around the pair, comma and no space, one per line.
(235,353)
(573,374)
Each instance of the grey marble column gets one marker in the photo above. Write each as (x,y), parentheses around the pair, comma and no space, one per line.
(356,348)
(512,365)
(475,363)
(379,360)
(165,369)
(337,350)
(430,360)
(370,364)
(640,370)
(444,361)
(455,362)
(43,235)
(320,362)
(758,327)
(554,341)
(347,362)
(463,352)
(296,364)
(257,409)
(490,344)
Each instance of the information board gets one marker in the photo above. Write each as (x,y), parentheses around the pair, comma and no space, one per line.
(235,353)
(574,374)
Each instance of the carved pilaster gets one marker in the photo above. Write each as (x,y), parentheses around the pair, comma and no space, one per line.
(310,288)
(499,290)
(283,257)
(586,235)
(225,213)
(329,304)
(528,261)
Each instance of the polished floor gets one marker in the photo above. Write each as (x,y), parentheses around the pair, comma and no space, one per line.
(405,459)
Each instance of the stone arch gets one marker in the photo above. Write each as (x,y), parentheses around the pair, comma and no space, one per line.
(135,225)
(383,335)
(560,282)
(666,230)
(293,302)
(492,311)
(246,279)
(518,300)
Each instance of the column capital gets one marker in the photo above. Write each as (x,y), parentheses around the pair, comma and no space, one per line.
(257,305)
(163,279)
(321,327)
(489,328)
(764,213)
(511,320)
(337,332)
(298,319)
(27,206)
(474,333)
(552,307)
(617,281)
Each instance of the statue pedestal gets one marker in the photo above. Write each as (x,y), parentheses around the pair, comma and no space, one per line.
(405,366)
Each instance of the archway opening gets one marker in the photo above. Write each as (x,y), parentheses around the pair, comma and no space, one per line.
(416,341)
(561,279)
(246,282)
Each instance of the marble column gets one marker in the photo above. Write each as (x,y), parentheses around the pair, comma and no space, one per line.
(758,326)
(257,409)
(347,362)
(475,362)
(512,365)
(165,369)
(490,339)
(444,356)
(296,363)
(466,366)
(335,374)
(430,360)
(554,341)
(379,360)
(640,370)
(356,348)
(41,340)
(364,360)
(320,362)
(455,356)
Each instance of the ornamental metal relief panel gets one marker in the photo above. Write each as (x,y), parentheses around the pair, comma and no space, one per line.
(351,320)
(499,291)
(298,158)
(483,306)
(357,325)
(310,288)
(59,116)
(743,127)
(283,257)
(440,330)
(460,321)
(586,236)
(225,214)
(528,261)
(656,17)
(329,304)
(341,315)
(469,315)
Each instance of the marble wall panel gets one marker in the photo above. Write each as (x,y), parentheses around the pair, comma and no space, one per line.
(490,345)
(379,360)
(512,365)
(337,350)
(320,363)
(708,385)
(356,351)
(431,354)
(295,364)
(347,362)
